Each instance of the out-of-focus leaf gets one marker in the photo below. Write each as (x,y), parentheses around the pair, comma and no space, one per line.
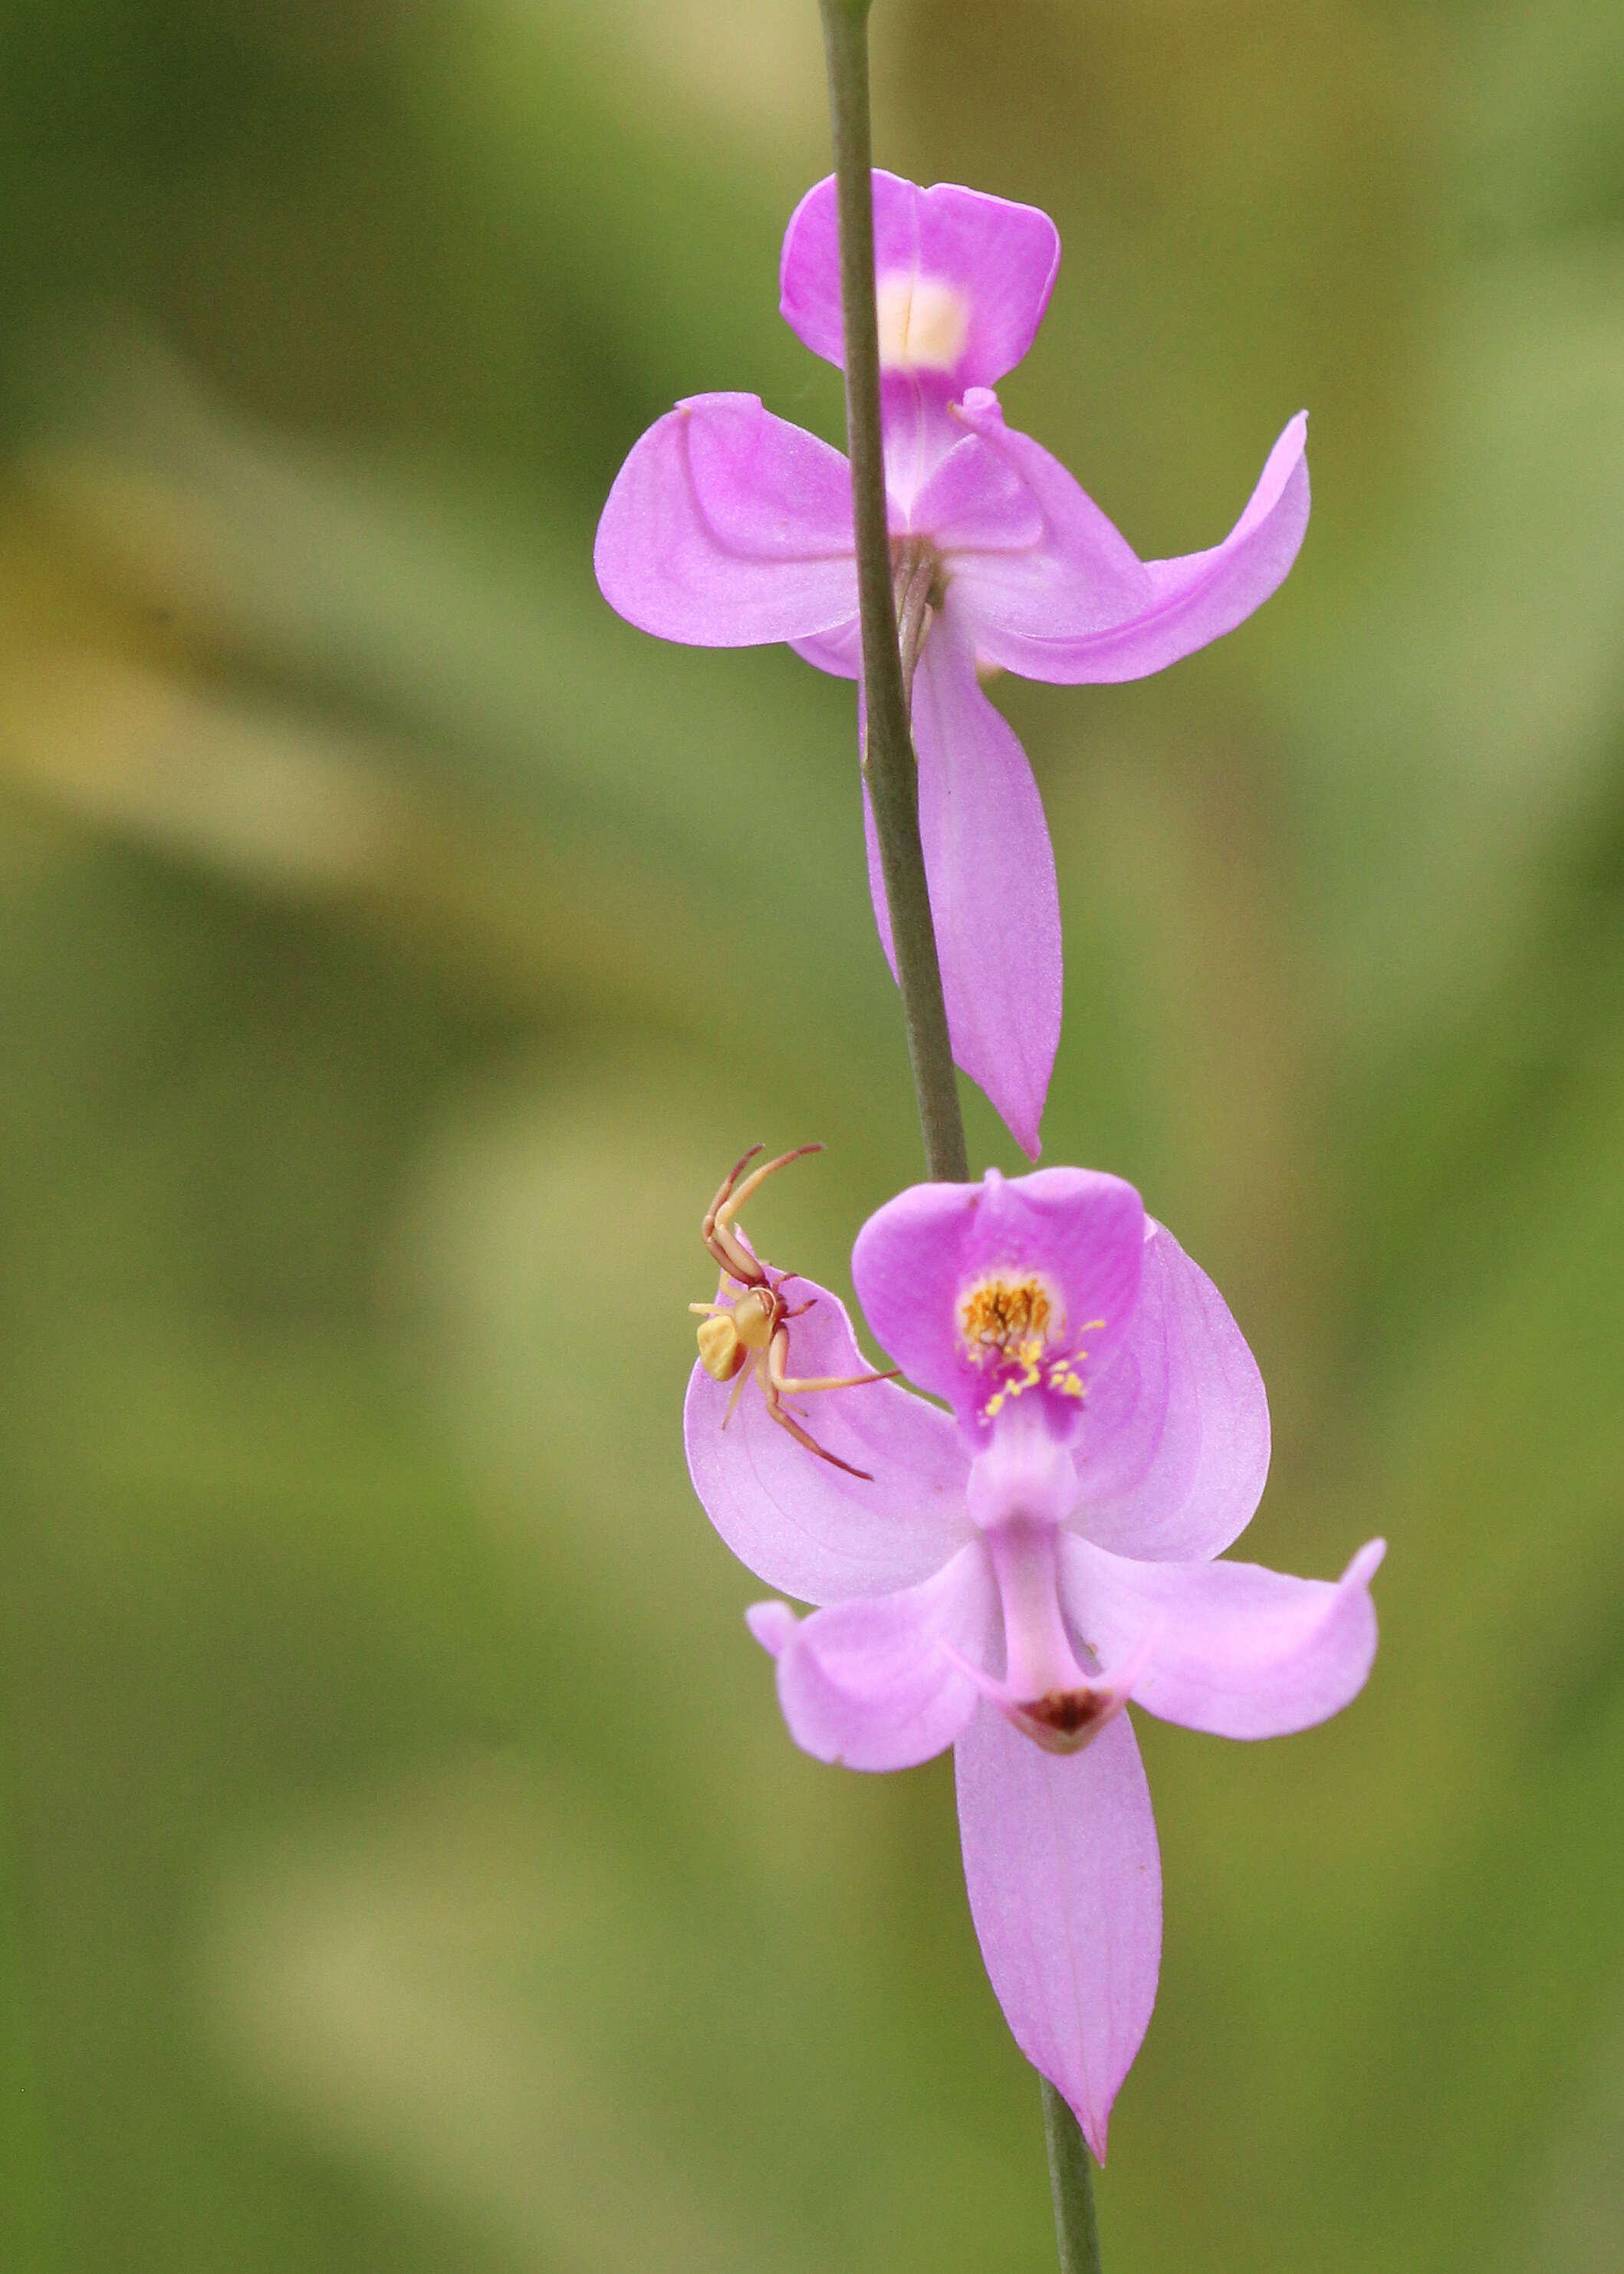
(1461,715)
(688,837)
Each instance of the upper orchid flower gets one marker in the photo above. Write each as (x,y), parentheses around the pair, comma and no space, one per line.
(727,527)
(1017,1570)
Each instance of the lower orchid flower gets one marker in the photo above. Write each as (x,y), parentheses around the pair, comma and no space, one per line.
(727,527)
(1004,1577)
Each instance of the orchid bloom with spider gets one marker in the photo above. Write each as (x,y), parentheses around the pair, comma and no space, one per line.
(1003,1577)
(727,527)
(748,1333)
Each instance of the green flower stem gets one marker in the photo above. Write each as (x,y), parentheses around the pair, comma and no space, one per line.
(888,762)
(885,589)
(1071,2178)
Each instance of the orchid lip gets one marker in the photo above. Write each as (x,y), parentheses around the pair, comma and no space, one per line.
(924,322)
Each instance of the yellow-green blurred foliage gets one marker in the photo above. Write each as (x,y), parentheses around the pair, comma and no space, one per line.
(403,1865)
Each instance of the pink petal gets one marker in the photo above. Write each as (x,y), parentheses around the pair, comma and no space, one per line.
(991,873)
(1175,1446)
(1192,600)
(1232,1648)
(1065,1889)
(1071,576)
(974,496)
(879,1682)
(802,1526)
(727,527)
(1002,258)
(839,652)
(772,1624)
(1084,1231)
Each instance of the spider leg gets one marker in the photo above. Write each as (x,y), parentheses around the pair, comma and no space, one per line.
(786,1421)
(713,1229)
(709,1310)
(784,1385)
(729,1181)
(758,1176)
(801,1308)
(745,1372)
(734,1258)
(716,1231)
(789,1385)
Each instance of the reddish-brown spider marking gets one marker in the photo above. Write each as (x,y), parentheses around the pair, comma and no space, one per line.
(750,1334)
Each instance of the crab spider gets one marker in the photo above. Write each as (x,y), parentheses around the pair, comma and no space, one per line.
(751,1334)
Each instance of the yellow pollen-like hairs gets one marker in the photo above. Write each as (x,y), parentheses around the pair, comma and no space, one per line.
(1003,1315)
(924,322)
(1010,1322)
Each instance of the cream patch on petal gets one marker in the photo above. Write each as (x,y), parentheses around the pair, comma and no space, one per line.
(924,322)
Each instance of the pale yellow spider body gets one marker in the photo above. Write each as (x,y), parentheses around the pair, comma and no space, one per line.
(749,1336)
(728,1340)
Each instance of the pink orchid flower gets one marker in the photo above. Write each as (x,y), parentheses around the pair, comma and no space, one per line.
(727,527)
(1021,1566)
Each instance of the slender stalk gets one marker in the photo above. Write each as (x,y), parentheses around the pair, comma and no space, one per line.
(887,590)
(888,760)
(1071,2178)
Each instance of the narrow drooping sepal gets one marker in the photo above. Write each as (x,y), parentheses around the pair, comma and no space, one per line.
(802,1524)
(1192,601)
(986,265)
(1081,1231)
(727,527)
(1065,1880)
(878,1683)
(1178,1421)
(1230,1648)
(990,869)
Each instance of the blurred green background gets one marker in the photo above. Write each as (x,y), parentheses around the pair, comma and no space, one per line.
(403,1865)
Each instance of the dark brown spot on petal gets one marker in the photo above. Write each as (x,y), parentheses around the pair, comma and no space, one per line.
(1067,1710)
(1063,1720)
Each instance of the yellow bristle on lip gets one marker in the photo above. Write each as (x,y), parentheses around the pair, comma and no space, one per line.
(923,322)
(1010,1317)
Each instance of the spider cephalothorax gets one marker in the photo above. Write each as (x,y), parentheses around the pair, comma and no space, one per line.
(750,1334)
